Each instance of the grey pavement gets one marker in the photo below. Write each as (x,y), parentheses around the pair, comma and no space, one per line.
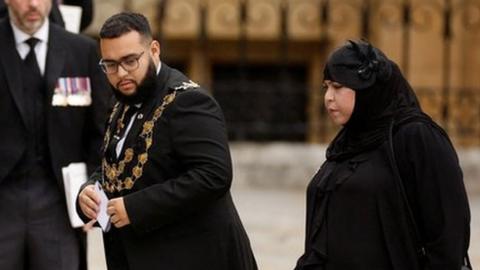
(275,220)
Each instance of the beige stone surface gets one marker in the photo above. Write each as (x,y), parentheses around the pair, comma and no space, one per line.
(182,19)
(290,166)
(263,19)
(275,220)
(102,11)
(223,19)
(304,20)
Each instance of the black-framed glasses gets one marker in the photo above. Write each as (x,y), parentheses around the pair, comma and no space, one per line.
(128,63)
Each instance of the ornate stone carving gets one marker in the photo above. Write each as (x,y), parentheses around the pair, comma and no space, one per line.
(426,53)
(389,14)
(223,19)
(344,20)
(263,19)
(464,123)
(431,101)
(387,28)
(427,16)
(182,19)
(465,57)
(304,19)
(150,9)
(103,10)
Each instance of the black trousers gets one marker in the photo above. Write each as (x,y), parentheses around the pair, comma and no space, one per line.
(35,232)
(114,252)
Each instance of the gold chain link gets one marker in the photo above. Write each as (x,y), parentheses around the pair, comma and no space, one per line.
(113,171)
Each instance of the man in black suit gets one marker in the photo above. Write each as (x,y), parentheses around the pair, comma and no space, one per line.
(166,166)
(53,107)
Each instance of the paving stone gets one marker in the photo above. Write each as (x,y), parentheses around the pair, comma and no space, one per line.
(275,221)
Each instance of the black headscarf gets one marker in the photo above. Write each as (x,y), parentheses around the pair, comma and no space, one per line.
(382,95)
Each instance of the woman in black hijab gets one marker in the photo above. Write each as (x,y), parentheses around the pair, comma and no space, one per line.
(390,195)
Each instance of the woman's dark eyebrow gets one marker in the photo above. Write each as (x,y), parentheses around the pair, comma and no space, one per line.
(335,84)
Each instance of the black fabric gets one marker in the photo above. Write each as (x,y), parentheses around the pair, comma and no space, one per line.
(73,133)
(76,128)
(417,236)
(375,108)
(357,65)
(181,211)
(437,196)
(35,93)
(344,226)
(32,207)
(356,216)
(115,252)
(31,59)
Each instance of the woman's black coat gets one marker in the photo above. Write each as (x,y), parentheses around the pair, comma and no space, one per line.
(356,218)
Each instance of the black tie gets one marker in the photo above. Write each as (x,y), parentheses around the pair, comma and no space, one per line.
(31,59)
(35,92)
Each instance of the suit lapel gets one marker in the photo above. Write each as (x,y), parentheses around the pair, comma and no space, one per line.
(55,61)
(11,65)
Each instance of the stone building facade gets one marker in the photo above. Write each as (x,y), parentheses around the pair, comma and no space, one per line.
(263,59)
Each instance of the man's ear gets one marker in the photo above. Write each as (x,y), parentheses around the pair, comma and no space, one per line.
(155,49)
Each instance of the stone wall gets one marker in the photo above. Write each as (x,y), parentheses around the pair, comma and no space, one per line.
(291,166)
(434,42)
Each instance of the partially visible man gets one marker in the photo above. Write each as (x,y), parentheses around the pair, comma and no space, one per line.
(166,165)
(56,16)
(52,111)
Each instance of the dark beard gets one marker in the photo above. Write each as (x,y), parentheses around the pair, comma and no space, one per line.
(145,89)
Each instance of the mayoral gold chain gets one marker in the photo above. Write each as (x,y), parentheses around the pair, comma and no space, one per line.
(113,171)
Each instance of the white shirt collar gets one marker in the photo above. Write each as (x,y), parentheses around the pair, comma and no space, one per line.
(41,34)
(40,48)
(159,67)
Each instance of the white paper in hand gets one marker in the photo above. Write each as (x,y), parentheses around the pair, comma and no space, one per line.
(74,175)
(103,218)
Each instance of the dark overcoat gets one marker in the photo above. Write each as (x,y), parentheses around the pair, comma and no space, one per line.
(357,219)
(181,211)
(74,133)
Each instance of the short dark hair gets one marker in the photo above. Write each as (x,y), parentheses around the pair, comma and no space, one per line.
(125,22)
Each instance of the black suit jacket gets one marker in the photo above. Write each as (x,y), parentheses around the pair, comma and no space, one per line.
(74,133)
(181,212)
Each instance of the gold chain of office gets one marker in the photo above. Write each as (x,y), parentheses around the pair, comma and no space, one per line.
(112,171)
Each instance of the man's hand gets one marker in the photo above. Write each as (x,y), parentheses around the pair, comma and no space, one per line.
(118,213)
(87,227)
(89,202)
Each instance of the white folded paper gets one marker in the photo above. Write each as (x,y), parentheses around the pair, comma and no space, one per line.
(102,217)
(74,176)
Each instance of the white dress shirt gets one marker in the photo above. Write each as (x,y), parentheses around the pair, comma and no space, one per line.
(40,48)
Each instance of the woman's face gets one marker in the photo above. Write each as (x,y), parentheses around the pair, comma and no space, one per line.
(339,102)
